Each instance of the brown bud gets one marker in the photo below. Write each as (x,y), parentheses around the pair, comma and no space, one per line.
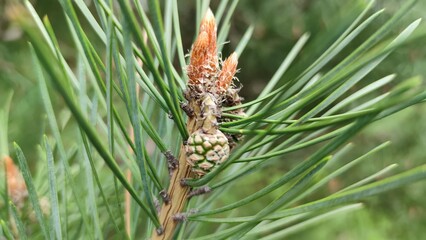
(198,59)
(208,25)
(229,68)
(203,59)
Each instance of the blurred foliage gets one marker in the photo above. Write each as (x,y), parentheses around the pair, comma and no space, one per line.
(398,214)
(278,24)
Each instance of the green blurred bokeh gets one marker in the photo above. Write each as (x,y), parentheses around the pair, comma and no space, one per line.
(399,214)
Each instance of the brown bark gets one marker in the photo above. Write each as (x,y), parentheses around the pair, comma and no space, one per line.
(178,194)
(178,198)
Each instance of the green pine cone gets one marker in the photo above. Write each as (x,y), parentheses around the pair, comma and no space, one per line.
(206,151)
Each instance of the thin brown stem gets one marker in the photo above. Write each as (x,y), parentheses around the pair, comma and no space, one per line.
(178,199)
(178,194)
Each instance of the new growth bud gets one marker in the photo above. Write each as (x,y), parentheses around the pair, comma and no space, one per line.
(229,68)
(204,60)
(208,25)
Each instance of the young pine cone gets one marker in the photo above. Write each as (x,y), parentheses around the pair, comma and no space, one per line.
(206,151)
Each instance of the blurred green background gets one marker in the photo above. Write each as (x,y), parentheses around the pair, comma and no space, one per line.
(399,214)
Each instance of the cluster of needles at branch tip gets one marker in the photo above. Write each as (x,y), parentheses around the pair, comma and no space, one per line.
(209,89)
